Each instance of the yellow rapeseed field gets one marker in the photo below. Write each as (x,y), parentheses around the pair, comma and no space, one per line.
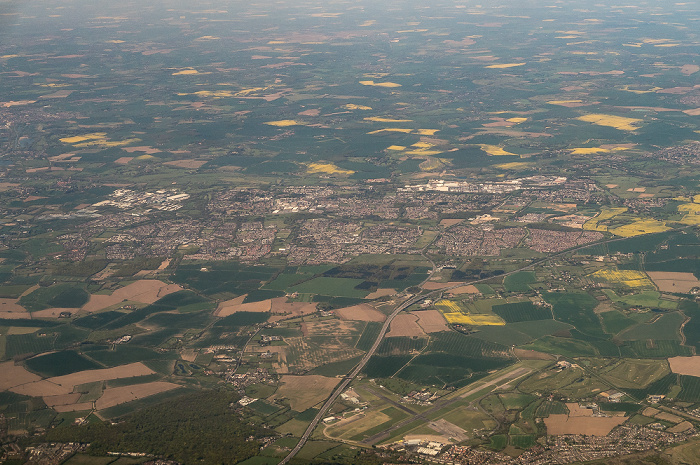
(431,164)
(639,227)
(516,165)
(107,143)
(244,92)
(473,320)
(398,148)
(96,139)
(214,93)
(327,168)
(617,122)
(420,132)
(605,214)
(84,137)
(423,152)
(563,102)
(403,130)
(629,278)
(380,84)
(186,71)
(284,123)
(494,150)
(352,106)
(651,90)
(591,150)
(387,120)
(505,65)
(692,212)
(448,305)
(690,207)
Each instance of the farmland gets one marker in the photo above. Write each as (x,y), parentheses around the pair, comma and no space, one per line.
(202,203)
(522,311)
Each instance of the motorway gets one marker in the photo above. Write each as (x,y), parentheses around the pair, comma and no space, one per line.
(350,376)
(407,303)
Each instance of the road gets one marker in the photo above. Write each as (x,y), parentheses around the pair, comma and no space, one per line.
(407,303)
(350,377)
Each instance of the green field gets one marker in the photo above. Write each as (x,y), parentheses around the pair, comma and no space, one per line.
(59,295)
(498,442)
(567,347)
(97,320)
(60,363)
(239,319)
(576,308)
(338,287)
(288,279)
(369,335)
(551,407)
(521,311)
(615,321)
(36,343)
(515,401)
(537,329)
(123,354)
(690,389)
(379,367)
(519,282)
(401,345)
(522,441)
(660,387)
(634,373)
(502,335)
(659,348)
(571,383)
(336,368)
(665,326)
(647,299)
